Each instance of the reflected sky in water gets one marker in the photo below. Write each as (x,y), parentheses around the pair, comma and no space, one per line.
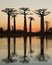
(20,46)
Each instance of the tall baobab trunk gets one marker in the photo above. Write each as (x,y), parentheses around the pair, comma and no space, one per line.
(8,22)
(42,24)
(25,11)
(25,24)
(14,24)
(30,27)
(46,27)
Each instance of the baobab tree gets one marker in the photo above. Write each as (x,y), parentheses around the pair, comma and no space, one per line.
(46,26)
(30,26)
(30,30)
(9,12)
(46,33)
(24,11)
(14,14)
(42,13)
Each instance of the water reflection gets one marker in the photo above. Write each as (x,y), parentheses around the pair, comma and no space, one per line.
(23,48)
(43,56)
(25,58)
(30,39)
(42,48)
(9,56)
(14,47)
(46,42)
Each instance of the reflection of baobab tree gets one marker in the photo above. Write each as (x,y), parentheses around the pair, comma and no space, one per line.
(25,42)
(25,59)
(30,39)
(42,13)
(14,47)
(25,11)
(42,49)
(25,51)
(9,58)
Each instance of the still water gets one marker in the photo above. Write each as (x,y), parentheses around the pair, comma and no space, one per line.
(35,46)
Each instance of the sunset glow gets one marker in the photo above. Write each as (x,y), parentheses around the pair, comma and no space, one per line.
(33,5)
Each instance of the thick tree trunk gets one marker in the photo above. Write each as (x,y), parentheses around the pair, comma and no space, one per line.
(8,22)
(30,27)
(14,24)
(25,24)
(42,24)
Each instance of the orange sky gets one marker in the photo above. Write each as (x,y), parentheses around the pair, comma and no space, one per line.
(20,22)
(32,5)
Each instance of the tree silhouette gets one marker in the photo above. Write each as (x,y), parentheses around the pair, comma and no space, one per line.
(9,12)
(25,59)
(30,39)
(14,14)
(42,13)
(24,11)
(25,40)
(46,26)
(9,57)
(30,26)
(30,30)
(46,33)
(14,47)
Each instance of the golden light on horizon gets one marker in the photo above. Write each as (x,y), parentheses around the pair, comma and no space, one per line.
(20,22)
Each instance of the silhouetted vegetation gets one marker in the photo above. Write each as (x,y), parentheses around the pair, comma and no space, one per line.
(42,13)
(19,33)
(30,26)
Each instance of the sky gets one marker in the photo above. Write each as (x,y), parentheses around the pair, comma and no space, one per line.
(32,5)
